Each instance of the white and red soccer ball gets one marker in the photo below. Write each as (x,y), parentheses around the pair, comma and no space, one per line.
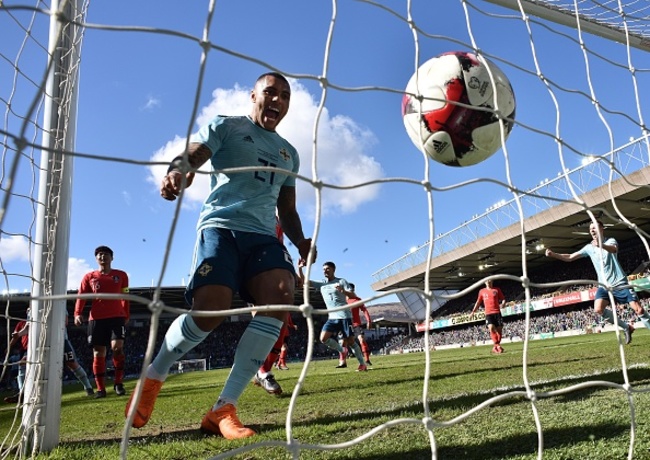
(452,134)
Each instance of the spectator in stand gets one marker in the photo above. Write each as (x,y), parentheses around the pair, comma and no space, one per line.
(493,300)
(357,325)
(603,254)
(107,320)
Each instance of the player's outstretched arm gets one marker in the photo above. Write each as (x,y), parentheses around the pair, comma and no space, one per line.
(563,257)
(476,305)
(181,169)
(301,274)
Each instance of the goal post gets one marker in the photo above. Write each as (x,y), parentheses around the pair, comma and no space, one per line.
(189,365)
(57,89)
(42,391)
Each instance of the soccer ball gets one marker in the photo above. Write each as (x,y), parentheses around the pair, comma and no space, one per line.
(452,134)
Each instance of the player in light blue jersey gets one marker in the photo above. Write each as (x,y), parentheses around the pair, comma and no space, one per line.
(335,291)
(236,249)
(603,255)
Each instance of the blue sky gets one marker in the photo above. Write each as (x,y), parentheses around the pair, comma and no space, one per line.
(138,89)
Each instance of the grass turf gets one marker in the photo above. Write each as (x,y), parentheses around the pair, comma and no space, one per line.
(340,405)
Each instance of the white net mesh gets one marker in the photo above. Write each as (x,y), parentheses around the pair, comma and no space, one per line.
(582,110)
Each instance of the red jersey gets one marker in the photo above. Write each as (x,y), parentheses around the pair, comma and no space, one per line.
(278,230)
(356,317)
(289,324)
(23,343)
(115,282)
(491,298)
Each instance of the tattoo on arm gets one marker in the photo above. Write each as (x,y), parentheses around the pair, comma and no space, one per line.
(197,154)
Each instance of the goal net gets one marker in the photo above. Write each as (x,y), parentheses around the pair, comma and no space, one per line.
(579,71)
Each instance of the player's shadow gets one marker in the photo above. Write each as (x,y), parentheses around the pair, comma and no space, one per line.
(517,446)
(523,445)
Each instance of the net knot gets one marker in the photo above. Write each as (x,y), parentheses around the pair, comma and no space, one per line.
(306,310)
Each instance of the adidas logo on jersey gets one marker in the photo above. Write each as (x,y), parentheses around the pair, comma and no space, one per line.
(248,139)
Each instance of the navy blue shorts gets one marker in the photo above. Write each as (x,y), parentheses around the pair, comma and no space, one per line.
(230,258)
(339,326)
(622,296)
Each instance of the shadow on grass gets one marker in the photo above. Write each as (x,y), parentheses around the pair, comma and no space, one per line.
(504,447)
(512,446)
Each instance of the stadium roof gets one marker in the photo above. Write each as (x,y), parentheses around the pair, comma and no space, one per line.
(563,227)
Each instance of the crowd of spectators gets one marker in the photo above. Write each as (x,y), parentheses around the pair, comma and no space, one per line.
(219,348)
(476,333)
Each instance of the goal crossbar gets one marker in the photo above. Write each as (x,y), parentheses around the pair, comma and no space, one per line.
(601,21)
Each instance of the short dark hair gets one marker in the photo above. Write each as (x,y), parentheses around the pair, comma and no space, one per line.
(352,286)
(330,264)
(105,249)
(277,75)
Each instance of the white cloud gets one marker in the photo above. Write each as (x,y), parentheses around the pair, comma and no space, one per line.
(77,268)
(14,248)
(342,155)
(152,103)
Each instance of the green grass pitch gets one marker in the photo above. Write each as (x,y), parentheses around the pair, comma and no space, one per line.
(339,405)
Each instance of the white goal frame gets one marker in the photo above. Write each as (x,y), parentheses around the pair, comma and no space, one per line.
(49,241)
(189,365)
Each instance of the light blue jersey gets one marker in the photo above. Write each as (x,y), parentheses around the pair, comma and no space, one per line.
(607,267)
(334,298)
(244,201)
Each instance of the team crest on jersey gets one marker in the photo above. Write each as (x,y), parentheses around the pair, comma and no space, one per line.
(204,269)
(284,154)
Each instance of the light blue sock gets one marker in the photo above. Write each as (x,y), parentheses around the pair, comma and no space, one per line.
(645,319)
(181,337)
(252,350)
(609,317)
(22,369)
(333,344)
(357,353)
(81,375)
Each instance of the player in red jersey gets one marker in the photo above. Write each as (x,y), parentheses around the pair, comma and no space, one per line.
(20,340)
(493,300)
(357,325)
(284,350)
(107,320)
(264,377)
